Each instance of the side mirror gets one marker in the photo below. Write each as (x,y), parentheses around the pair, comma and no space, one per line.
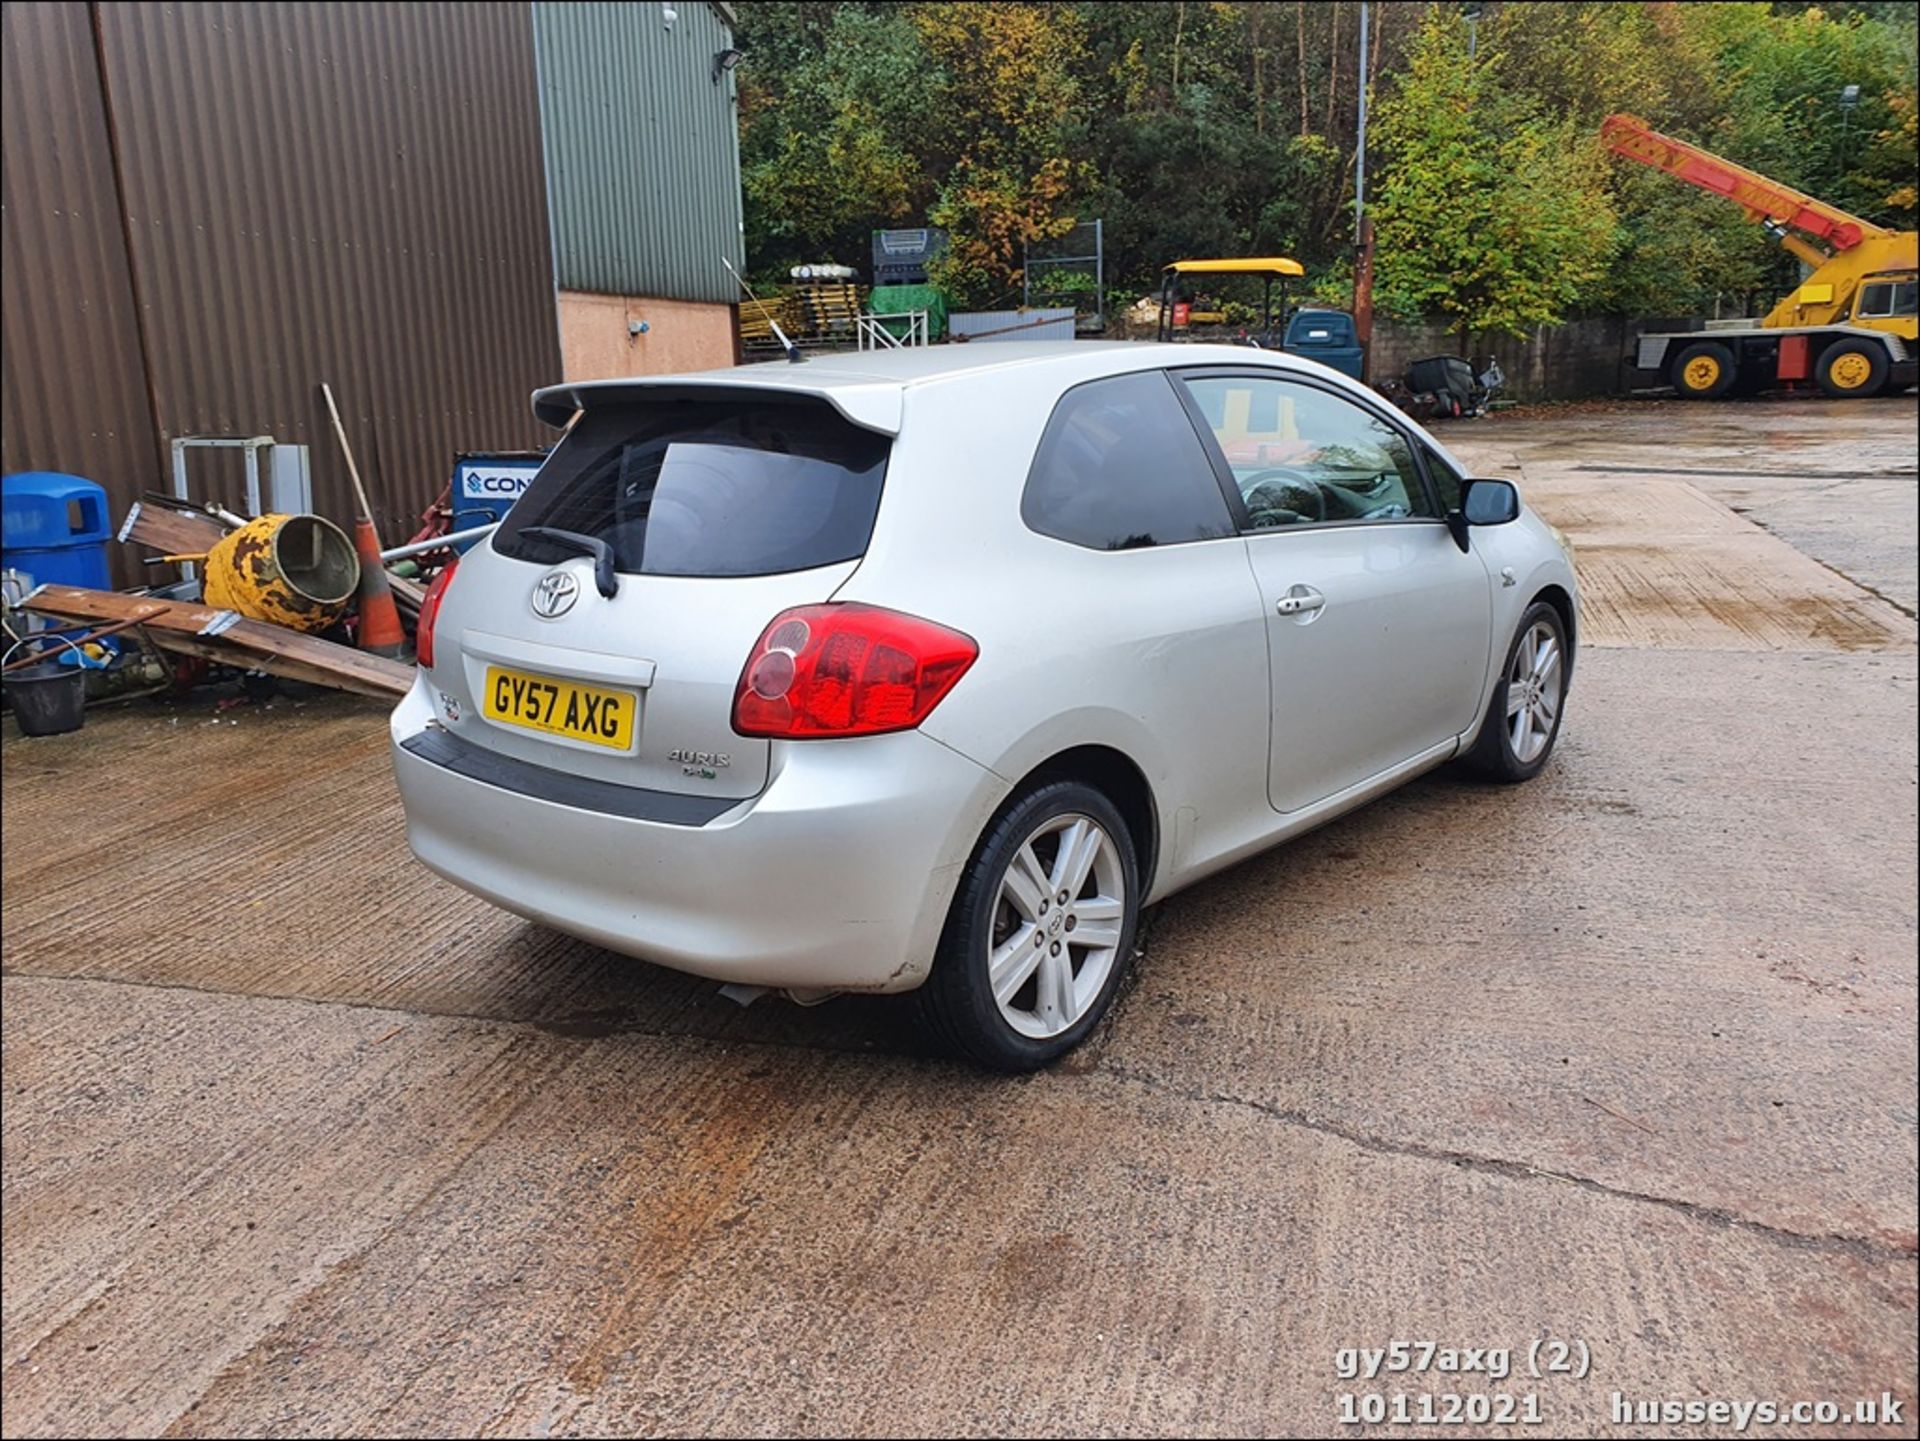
(1490,502)
(1483,502)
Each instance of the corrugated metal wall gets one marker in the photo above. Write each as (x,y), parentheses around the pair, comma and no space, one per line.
(1038,323)
(329,191)
(74,395)
(643,152)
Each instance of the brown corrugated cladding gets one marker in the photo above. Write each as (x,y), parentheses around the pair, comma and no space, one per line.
(74,393)
(338,192)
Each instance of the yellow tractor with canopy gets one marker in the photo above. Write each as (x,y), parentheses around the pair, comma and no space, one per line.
(1180,321)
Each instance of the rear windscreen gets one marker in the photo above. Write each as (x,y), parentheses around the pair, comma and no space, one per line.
(706,488)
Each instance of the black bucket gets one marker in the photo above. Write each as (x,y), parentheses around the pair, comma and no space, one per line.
(48,699)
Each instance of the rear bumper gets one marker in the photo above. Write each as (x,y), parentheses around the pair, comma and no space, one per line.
(837,876)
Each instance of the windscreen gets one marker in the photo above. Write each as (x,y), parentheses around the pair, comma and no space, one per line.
(730,487)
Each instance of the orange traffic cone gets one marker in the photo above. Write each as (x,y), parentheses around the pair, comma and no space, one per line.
(380,630)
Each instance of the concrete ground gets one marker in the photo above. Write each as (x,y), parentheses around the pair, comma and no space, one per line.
(299,1140)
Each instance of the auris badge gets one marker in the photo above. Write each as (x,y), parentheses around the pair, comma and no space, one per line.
(554,594)
(702,765)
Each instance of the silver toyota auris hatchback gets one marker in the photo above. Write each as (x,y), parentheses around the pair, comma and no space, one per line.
(927,670)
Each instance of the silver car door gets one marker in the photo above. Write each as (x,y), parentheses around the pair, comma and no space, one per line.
(1378,624)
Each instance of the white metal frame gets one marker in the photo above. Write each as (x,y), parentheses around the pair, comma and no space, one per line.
(872,334)
(250,445)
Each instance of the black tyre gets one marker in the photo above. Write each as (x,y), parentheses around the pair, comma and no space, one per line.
(1852,369)
(1529,699)
(1705,370)
(1040,932)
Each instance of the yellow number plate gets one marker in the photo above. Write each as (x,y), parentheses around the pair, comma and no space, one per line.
(560,708)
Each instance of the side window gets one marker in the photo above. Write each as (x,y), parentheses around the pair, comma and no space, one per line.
(1888,298)
(1302,456)
(1120,467)
(1446,480)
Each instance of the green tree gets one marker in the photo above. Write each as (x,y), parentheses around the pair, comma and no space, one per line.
(998,129)
(828,136)
(1227,126)
(1890,159)
(1488,212)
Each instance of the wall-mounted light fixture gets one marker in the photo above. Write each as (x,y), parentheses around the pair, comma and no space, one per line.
(668,14)
(725,60)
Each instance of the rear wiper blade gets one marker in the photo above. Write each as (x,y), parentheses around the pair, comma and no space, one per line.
(605,580)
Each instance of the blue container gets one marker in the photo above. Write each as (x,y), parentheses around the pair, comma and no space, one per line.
(486,486)
(55,528)
(1326,336)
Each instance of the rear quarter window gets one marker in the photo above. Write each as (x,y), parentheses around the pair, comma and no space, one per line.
(725,487)
(1120,467)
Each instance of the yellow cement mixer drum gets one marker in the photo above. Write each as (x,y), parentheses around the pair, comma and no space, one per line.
(299,571)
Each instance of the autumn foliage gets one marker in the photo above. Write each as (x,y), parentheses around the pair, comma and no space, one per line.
(1228,128)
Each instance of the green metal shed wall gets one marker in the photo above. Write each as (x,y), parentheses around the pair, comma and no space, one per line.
(643,153)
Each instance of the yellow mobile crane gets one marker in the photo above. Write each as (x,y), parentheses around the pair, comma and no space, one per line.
(1851,326)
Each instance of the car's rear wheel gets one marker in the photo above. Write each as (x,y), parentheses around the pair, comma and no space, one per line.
(1523,718)
(1040,932)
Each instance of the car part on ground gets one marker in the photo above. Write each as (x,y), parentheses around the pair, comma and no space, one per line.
(1445,387)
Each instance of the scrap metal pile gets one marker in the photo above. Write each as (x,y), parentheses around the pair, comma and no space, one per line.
(288,596)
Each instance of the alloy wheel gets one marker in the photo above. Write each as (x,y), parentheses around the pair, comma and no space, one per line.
(1534,684)
(1057,923)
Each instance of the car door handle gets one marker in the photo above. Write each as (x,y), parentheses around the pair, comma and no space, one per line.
(1301,600)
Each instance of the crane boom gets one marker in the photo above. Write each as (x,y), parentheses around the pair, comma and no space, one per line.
(1764,199)
(1849,325)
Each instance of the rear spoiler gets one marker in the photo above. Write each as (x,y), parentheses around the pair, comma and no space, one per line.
(874,407)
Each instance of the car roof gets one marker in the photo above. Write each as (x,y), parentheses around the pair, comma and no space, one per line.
(869,386)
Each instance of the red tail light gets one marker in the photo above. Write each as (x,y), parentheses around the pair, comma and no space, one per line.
(429,614)
(847,670)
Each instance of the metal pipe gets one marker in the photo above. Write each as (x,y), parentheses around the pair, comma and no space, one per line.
(439,542)
(1362,227)
(1360,139)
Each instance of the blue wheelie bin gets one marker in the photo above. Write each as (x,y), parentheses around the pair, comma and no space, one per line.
(1326,336)
(55,528)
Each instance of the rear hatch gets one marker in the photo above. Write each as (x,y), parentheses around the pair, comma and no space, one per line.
(710,516)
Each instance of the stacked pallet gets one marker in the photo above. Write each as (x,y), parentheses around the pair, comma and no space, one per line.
(828,307)
(758,317)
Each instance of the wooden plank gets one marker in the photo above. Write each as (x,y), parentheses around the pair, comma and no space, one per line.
(253,644)
(171,532)
(407,594)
